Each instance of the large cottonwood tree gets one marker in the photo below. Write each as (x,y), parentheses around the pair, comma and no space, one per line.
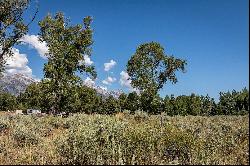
(67,46)
(150,68)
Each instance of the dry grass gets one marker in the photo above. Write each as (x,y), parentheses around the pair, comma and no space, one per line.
(124,139)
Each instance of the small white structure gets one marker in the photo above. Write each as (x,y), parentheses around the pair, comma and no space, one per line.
(33,111)
(62,114)
(19,112)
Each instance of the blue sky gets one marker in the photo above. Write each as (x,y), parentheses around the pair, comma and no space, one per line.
(212,35)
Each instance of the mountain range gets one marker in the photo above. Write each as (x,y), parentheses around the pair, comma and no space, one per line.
(17,83)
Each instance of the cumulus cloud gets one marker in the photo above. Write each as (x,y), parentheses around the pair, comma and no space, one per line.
(109,80)
(32,40)
(126,82)
(109,65)
(87,60)
(125,79)
(18,63)
(89,82)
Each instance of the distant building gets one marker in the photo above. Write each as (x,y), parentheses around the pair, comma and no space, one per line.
(63,114)
(33,111)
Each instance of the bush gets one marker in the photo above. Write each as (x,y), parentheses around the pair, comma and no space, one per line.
(108,141)
(4,124)
(87,140)
(105,139)
(25,137)
(140,115)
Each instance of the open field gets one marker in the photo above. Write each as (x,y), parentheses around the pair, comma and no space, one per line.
(124,139)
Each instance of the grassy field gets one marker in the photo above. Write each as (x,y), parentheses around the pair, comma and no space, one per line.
(124,139)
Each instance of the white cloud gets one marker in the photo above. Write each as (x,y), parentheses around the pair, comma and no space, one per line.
(109,80)
(105,82)
(125,79)
(87,60)
(37,79)
(32,40)
(18,63)
(109,65)
(103,88)
(89,82)
(126,82)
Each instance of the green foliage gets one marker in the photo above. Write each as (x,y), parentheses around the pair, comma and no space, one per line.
(234,103)
(81,99)
(188,105)
(67,46)
(88,100)
(31,98)
(7,101)
(208,106)
(169,105)
(156,105)
(150,68)
(122,101)
(110,106)
(132,102)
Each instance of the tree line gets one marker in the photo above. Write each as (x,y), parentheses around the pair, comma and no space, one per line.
(89,101)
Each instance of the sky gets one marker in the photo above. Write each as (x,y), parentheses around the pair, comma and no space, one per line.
(211,35)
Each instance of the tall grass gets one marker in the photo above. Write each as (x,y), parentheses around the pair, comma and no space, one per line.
(124,139)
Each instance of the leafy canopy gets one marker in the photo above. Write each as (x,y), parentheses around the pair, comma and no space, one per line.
(67,46)
(149,68)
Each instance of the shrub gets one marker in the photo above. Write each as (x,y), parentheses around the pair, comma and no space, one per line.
(104,140)
(25,137)
(4,124)
(140,115)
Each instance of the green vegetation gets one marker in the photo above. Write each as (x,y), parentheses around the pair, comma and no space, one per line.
(124,139)
(62,88)
(141,128)
(7,101)
(88,101)
(149,69)
(68,45)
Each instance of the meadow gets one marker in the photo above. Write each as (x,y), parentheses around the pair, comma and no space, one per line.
(124,139)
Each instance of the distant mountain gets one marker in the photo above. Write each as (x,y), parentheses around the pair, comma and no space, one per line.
(106,93)
(16,83)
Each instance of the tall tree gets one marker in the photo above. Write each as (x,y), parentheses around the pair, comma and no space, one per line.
(31,98)
(150,68)
(132,102)
(7,101)
(88,100)
(68,44)
(122,101)
(12,26)
(110,105)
